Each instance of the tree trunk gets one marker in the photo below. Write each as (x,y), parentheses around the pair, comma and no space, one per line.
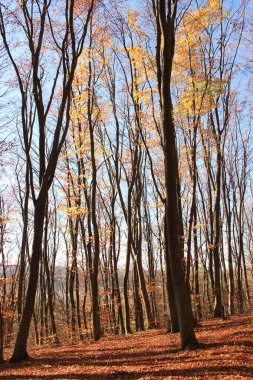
(182,297)
(171,302)
(218,309)
(20,349)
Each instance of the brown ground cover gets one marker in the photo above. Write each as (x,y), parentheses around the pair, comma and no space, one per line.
(227,353)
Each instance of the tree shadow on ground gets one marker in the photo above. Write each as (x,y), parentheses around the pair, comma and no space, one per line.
(116,357)
(212,372)
(131,358)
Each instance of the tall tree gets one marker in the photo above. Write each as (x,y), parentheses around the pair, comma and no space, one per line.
(38,24)
(166,11)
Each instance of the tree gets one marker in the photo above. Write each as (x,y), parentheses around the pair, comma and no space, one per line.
(38,23)
(166,12)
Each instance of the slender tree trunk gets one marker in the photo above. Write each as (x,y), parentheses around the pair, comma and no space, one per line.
(116,276)
(218,308)
(125,282)
(21,280)
(196,270)
(139,321)
(1,335)
(229,240)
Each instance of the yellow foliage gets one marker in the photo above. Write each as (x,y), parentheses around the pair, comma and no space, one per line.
(133,19)
(198,84)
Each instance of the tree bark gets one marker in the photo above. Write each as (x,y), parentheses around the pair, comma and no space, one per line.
(20,349)
(167,24)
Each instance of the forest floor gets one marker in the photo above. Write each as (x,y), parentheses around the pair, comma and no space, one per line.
(226,353)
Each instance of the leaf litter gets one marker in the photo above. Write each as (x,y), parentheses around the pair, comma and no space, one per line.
(226,352)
